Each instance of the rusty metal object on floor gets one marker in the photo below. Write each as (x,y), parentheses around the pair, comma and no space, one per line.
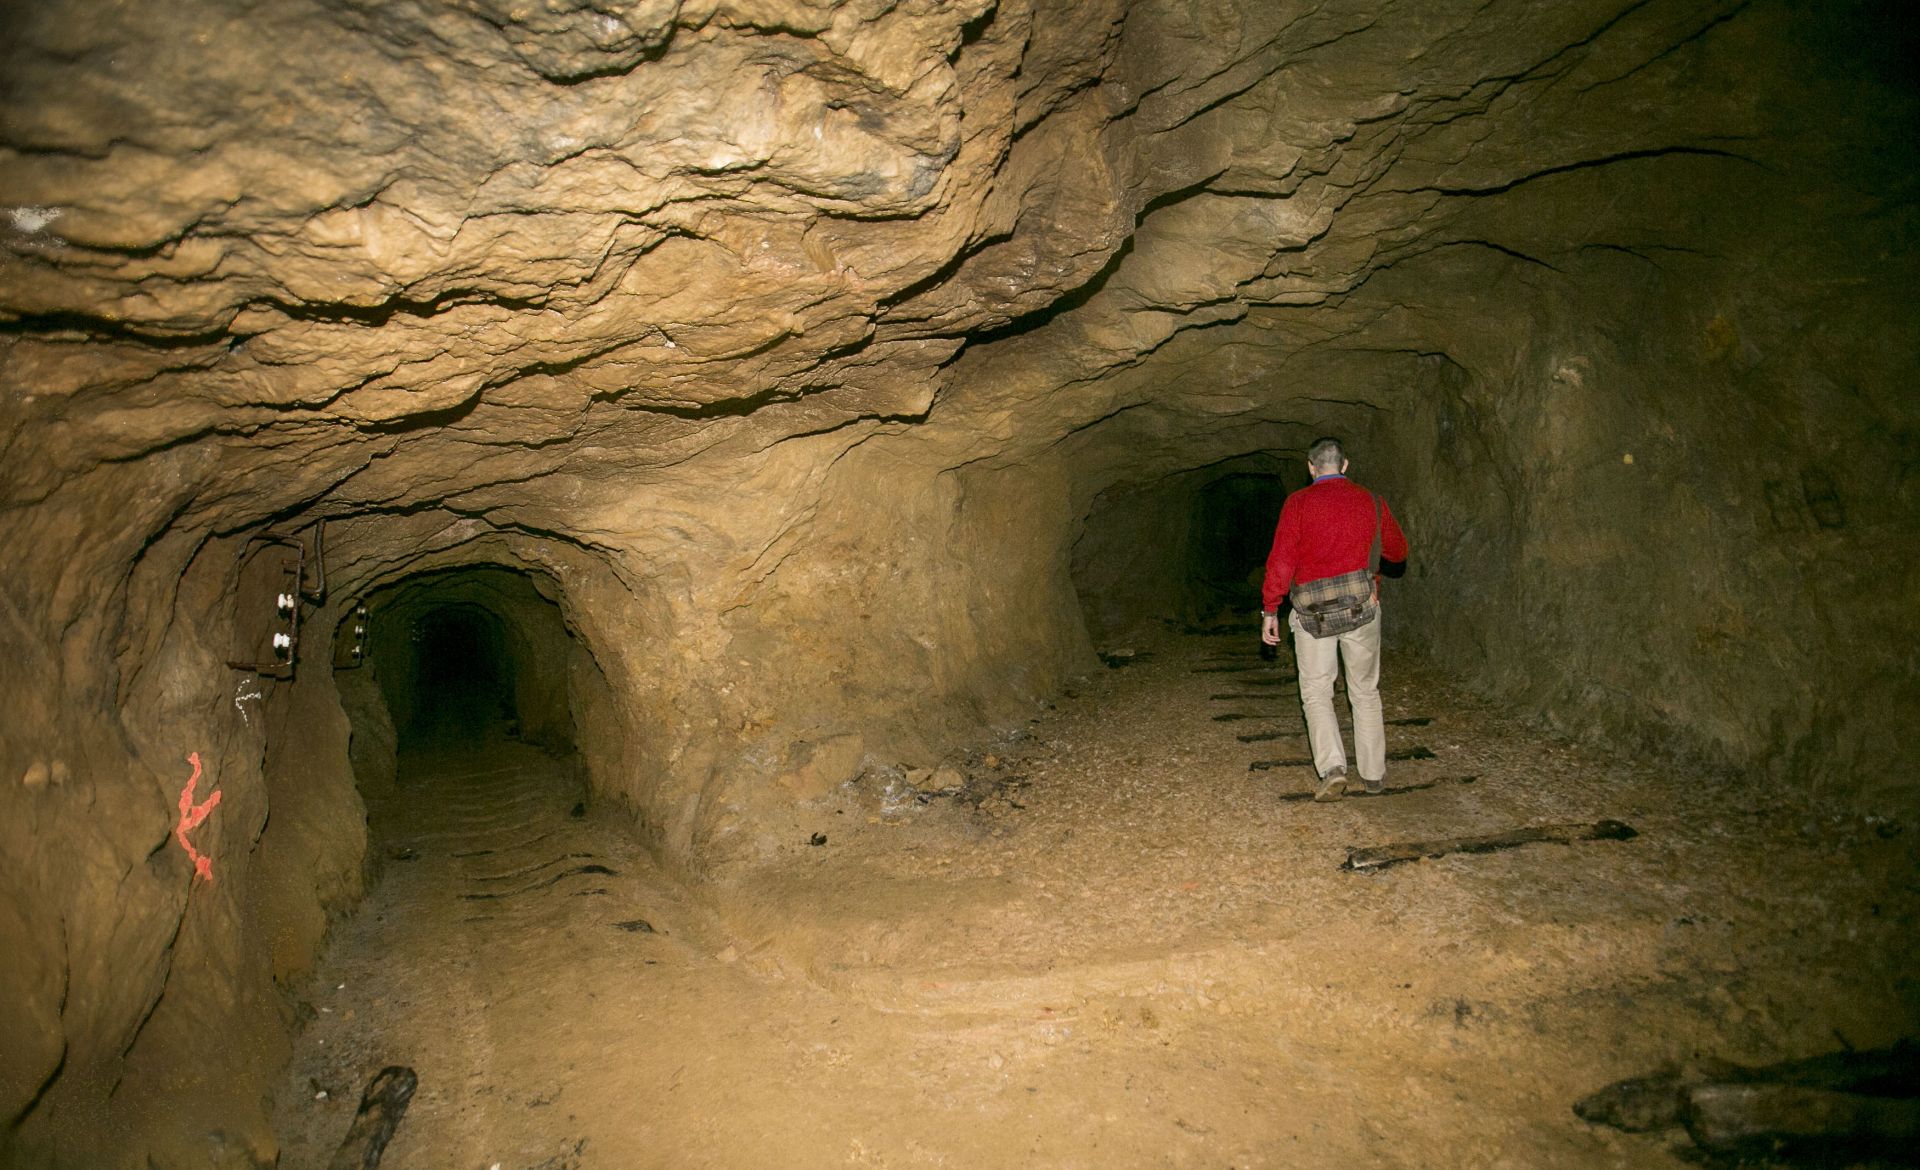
(1795,1122)
(1381,856)
(381,1108)
(533,840)
(1638,1104)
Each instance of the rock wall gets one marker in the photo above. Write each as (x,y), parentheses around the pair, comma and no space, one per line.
(1684,512)
(145,1014)
(794,344)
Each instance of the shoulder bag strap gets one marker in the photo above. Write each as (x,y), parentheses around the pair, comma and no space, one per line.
(1373,556)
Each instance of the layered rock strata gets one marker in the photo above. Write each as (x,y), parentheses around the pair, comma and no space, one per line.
(787,348)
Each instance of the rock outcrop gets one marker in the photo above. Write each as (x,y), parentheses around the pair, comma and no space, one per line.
(787,347)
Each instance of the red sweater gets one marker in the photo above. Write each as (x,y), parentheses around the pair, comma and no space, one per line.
(1325,530)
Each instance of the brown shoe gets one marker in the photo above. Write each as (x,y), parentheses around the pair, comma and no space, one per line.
(1331,785)
(1374,787)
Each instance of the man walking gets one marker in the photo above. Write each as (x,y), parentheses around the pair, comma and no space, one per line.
(1328,549)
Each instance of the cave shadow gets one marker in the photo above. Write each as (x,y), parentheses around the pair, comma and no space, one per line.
(1186,550)
(464,676)
(1232,526)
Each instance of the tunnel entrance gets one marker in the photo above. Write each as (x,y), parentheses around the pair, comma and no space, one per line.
(1187,549)
(461,658)
(466,729)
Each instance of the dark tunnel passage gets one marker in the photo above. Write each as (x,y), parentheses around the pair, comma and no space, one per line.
(1187,549)
(464,670)
(458,659)
(467,741)
(1232,526)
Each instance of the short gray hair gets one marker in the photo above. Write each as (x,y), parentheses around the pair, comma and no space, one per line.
(1326,455)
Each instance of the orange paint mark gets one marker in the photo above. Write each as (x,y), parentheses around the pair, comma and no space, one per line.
(191,815)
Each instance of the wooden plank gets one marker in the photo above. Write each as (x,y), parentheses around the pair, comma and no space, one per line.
(1800,1121)
(1416,752)
(1389,790)
(1381,856)
(1263,736)
(1662,1098)
(381,1108)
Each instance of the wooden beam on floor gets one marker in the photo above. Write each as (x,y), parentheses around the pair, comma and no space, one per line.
(1389,790)
(1263,736)
(381,1108)
(1416,752)
(1381,856)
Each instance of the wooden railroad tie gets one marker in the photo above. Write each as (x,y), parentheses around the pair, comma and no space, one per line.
(1381,856)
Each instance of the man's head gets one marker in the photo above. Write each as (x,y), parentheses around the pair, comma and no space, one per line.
(1326,457)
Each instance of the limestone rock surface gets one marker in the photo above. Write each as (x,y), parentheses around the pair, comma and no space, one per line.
(788,347)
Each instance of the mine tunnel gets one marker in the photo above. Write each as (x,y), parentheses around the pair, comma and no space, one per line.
(461,673)
(658,585)
(459,684)
(465,655)
(1188,549)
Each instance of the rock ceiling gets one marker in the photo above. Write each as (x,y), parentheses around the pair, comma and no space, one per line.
(379,256)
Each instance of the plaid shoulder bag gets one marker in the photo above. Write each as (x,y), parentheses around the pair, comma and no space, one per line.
(1335,605)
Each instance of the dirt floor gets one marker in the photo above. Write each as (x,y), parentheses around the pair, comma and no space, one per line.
(1113,945)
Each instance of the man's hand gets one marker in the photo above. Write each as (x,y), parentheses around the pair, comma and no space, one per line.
(1270,629)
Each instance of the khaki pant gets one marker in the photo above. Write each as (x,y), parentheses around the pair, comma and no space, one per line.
(1319,661)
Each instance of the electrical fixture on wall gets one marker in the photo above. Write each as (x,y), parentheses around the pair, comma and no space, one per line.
(350,639)
(278,572)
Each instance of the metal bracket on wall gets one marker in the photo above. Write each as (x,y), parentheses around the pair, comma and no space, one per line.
(350,638)
(274,580)
(313,567)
